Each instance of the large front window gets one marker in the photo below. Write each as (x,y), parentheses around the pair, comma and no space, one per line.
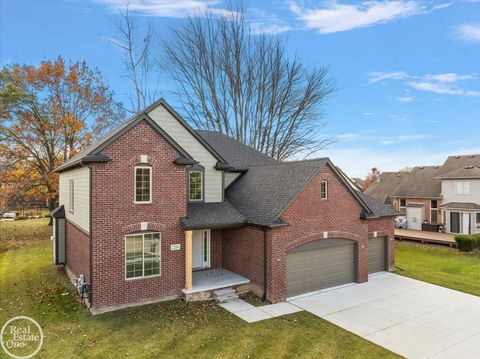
(142,255)
(143,184)
(195,186)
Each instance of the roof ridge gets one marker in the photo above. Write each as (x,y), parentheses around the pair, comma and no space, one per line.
(279,163)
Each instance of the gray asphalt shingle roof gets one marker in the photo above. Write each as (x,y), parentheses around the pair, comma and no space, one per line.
(456,162)
(265,190)
(460,205)
(378,209)
(421,182)
(234,152)
(212,215)
(465,172)
(384,187)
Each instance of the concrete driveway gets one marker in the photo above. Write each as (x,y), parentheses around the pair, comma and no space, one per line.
(409,317)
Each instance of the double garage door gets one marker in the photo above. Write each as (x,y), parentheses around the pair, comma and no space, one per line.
(328,263)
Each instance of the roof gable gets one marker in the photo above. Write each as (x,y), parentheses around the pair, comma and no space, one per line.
(264,193)
(96,148)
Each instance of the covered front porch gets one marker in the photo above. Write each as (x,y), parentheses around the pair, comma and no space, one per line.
(204,273)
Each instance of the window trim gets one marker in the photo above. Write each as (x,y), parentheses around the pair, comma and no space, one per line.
(71,196)
(477,219)
(400,207)
(143,255)
(202,187)
(324,182)
(135,184)
(433,210)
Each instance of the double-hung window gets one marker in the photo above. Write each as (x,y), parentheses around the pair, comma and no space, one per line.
(71,196)
(403,205)
(324,190)
(142,255)
(143,184)
(462,187)
(195,185)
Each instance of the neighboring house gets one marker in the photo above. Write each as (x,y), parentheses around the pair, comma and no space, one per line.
(360,183)
(447,194)
(382,189)
(461,197)
(156,210)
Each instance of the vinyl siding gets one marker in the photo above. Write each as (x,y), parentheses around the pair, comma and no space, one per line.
(230,177)
(213,178)
(81,214)
(448,192)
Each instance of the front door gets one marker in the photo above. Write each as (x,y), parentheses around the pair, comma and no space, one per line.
(201,249)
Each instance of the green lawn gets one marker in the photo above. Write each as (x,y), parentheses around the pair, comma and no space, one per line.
(439,265)
(30,285)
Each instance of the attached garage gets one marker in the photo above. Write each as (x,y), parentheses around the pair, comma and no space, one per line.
(321,264)
(377,254)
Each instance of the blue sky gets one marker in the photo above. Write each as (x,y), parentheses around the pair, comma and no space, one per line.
(407,72)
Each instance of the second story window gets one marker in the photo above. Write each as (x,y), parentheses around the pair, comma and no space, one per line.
(71,196)
(195,185)
(324,190)
(462,187)
(143,184)
(403,205)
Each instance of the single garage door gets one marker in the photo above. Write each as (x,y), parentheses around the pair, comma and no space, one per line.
(377,254)
(320,264)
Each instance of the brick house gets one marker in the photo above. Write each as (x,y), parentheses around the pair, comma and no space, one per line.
(156,210)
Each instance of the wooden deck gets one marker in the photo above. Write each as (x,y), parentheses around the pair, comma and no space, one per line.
(425,237)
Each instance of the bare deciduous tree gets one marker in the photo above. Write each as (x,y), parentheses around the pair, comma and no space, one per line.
(136,46)
(244,85)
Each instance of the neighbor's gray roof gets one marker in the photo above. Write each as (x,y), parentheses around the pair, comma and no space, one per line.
(421,182)
(212,215)
(384,187)
(465,172)
(460,205)
(237,154)
(378,209)
(456,162)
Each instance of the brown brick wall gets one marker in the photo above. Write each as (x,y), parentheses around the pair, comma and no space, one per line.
(216,248)
(243,253)
(309,216)
(114,214)
(77,250)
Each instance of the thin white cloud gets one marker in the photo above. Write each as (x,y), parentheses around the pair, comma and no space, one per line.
(442,88)
(368,113)
(262,22)
(414,137)
(469,32)
(448,77)
(382,76)
(347,136)
(332,16)
(167,8)
(407,98)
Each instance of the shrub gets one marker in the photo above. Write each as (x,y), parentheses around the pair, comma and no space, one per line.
(467,242)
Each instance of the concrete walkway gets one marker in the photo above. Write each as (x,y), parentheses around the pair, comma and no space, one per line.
(409,317)
(252,314)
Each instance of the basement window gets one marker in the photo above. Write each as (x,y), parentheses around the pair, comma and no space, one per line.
(142,255)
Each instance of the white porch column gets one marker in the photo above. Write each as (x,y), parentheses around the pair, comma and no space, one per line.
(188,260)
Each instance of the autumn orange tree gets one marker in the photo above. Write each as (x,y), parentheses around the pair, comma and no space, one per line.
(372,177)
(47,114)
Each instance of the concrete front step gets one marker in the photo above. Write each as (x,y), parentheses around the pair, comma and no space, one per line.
(222,295)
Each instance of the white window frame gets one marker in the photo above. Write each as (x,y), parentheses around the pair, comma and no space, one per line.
(71,196)
(135,184)
(465,187)
(324,182)
(143,255)
(201,185)
(477,218)
(400,207)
